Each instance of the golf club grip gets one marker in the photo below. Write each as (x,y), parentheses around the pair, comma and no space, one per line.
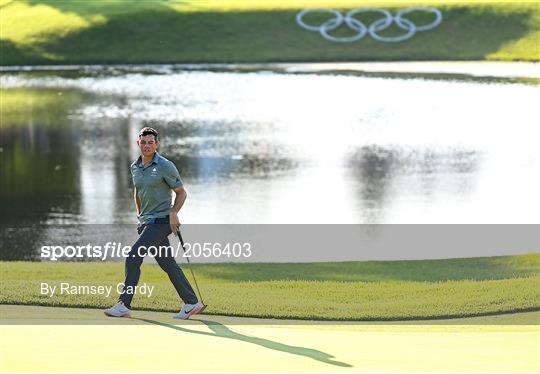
(181,240)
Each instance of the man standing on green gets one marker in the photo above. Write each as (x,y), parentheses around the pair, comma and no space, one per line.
(154,177)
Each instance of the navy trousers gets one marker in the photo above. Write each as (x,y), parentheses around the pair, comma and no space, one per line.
(155,234)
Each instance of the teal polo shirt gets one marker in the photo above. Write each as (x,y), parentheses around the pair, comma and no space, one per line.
(154,183)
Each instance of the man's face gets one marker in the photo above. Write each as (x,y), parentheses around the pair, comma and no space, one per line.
(148,145)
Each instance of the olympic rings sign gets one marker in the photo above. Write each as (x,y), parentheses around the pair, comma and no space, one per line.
(352,21)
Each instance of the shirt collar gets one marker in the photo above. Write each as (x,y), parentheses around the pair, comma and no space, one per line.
(155,160)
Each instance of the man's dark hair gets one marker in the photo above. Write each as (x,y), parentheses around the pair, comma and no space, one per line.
(148,131)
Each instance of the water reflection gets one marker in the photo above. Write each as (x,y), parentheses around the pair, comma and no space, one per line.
(39,173)
(386,173)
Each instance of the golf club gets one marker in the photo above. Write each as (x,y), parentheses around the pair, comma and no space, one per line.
(191,270)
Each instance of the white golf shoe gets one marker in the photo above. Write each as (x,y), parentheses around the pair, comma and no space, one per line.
(119,310)
(189,310)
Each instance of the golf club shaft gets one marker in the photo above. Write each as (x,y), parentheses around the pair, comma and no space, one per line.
(189,265)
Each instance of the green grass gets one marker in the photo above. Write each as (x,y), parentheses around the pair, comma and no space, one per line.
(372,290)
(128,31)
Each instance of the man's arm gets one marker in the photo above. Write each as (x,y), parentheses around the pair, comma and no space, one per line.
(137,201)
(181,195)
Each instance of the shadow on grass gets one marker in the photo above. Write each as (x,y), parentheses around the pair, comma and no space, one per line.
(478,269)
(222,331)
(13,54)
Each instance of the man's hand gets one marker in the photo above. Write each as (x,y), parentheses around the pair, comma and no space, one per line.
(174,221)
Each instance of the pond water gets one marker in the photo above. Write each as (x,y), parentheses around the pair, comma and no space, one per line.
(272,147)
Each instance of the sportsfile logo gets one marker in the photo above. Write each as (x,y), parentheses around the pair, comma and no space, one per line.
(228,250)
(109,250)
